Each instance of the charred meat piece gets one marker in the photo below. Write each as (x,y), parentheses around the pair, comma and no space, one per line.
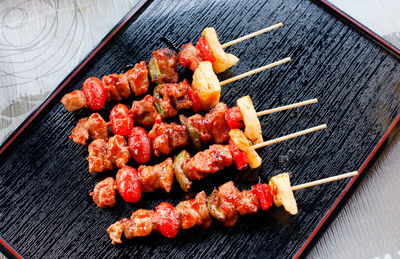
(104,193)
(194,212)
(74,101)
(144,112)
(209,161)
(170,98)
(162,66)
(139,225)
(212,127)
(190,56)
(97,126)
(248,203)
(118,151)
(229,197)
(98,156)
(158,176)
(94,126)
(117,87)
(138,78)
(166,137)
(80,134)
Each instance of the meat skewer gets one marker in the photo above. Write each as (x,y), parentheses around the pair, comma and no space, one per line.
(163,138)
(208,48)
(162,69)
(202,95)
(184,168)
(224,204)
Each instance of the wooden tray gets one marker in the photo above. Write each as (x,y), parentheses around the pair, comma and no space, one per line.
(44,181)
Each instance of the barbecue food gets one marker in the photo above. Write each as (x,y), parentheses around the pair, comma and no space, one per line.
(162,66)
(104,193)
(74,101)
(224,204)
(94,127)
(98,156)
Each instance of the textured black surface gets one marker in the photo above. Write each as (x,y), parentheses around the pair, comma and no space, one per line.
(44,182)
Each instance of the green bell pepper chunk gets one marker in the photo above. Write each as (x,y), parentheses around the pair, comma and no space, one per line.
(179,170)
(213,204)
(194,134)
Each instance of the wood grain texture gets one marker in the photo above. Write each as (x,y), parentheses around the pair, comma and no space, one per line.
(45,207)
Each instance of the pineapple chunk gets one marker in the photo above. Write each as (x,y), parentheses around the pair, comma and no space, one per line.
(206,85)
(244,145)
(285,195)
(251,122)
(223,60)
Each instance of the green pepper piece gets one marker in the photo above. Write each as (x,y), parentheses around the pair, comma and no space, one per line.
(179,170)
(213,206)
(194,133)
(154,71)
(156,99)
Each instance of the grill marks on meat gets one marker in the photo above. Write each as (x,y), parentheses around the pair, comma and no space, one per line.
(157,176)
(225,204)
(194,212)
(118,151)
(213,126)
(139,225)
(143,222)
(94,127)
(74,101)
(166,137)
(167,61)
(144,112)
(209,161)
(169,98)
(98,156)
(138,78)
(117,87)
(104,193)
(228,202)
(190,56)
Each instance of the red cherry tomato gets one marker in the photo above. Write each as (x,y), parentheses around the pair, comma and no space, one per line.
(121,120)
(140,145)
(194,97)
(128,184)
(264,195)
(234,118)
(205,50)
(166,220)
(95,93)
(239,157)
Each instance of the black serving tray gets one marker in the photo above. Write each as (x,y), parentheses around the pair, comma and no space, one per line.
(44,181)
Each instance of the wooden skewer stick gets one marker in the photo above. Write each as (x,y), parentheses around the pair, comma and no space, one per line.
(251,35)
(286,107)
(254,71)
(293,135)
(325,180)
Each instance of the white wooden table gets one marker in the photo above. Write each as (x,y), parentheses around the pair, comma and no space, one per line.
(42,41)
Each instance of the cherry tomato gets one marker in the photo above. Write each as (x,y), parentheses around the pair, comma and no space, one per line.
(121,120)
(166,220)
(128,184)
(95,93)
(239,157)
(264,195)
(234,118)
(140,145)
(194,97)
(205,50)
